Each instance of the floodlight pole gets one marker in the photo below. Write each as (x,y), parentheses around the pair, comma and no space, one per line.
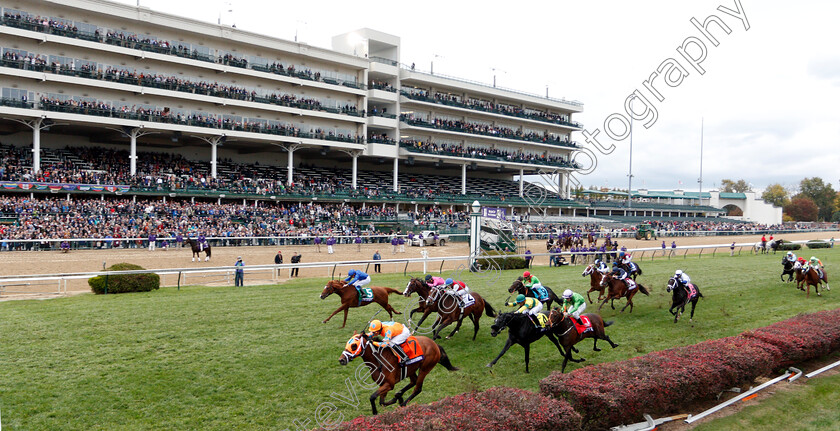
(630,174)
(700,196)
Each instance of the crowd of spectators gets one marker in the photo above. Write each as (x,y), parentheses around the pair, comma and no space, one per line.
(485,153)
(40,63)
(151,44)
(107,109)
(485,129)
(90,217)
(382,85)
(487,106)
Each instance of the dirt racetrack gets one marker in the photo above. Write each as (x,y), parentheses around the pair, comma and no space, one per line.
(55,262)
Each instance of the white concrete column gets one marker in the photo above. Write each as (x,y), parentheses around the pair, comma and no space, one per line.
(561,186)
(521,183)
(213,157)
(396,174)
(463,179)
(132,157)
(36,146)
(291,165)
(355,169)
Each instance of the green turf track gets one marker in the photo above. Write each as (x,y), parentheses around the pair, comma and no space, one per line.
(221,358)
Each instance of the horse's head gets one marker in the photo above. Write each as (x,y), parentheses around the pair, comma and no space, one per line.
(555,317)
(606,279)
(413,285)
(588,270)
(672,284)
(502,322)
(517,286)
(355,347)
(331,287)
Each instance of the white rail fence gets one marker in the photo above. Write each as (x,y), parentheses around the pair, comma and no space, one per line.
(24,284)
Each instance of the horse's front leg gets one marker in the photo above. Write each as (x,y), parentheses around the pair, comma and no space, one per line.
(342,307)
(508,343)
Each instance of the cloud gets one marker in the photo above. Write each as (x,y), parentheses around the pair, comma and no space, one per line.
(826,68)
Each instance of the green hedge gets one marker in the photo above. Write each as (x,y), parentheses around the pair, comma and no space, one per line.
(818,244)
(788,246)
(125,283)
(501,262)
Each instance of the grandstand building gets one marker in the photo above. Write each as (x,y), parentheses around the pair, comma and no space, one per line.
(123,99)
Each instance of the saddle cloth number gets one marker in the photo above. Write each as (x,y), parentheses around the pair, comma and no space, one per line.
(587,325)
(365,294)
(413,350)
(468,300)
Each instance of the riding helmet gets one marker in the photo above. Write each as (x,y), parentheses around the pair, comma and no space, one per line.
(375,326)
(526,274)
(428,277)
(567,293)
(448,281)
(520,298)
(597,261)
(351,273)
(678,273)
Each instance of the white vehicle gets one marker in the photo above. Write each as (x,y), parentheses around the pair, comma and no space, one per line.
(429,239)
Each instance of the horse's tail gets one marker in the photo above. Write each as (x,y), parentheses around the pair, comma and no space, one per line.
(209,251)
(609,323)
(489,310)
(638,269)
(444,360)
(643,289)
(389,291)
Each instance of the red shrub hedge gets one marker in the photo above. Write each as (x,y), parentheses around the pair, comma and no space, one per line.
(661,382)
(620,392)
(493,409)
(801,338)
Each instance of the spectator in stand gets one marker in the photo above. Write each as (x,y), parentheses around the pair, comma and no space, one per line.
(240,272)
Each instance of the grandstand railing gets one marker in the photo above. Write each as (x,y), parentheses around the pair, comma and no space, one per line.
(53,244)
(272,272)
(425,124)
(473,107)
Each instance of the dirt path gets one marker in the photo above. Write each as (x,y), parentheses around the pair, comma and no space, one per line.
(37,262)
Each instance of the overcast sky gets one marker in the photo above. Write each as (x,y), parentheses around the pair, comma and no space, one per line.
(769,95)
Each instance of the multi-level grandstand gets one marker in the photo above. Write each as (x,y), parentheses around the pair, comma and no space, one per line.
(105,99)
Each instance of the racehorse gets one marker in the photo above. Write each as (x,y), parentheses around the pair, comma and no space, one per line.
(521,331)
(774,245)
(549,244)
(350,298)
(681,298)
(618,289)
(561,324)
(761,247)
(788,270)
(591,239)
(196,250)
(385,369)
(521,289)
(594,282)
(447,307)
(806,279)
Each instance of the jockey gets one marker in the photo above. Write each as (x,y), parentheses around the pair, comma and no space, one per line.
(817,264)
(627,261)
(432,281)
(601,267)
(790,257)
(527,305)
(573,304)
(394,334)
(458,289)
(682,278)
(357,278)
(533,283)
(620,274)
